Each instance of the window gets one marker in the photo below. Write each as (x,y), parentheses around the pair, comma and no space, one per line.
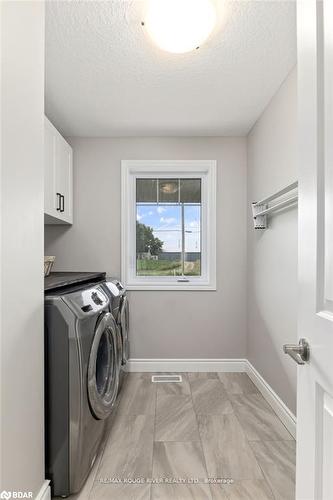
(168,224)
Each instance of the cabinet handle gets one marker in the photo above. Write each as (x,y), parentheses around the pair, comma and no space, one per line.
(62,209)
(59,202)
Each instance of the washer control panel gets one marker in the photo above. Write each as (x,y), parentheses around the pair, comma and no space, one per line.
(112,288)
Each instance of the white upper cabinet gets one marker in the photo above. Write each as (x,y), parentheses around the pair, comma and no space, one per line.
(58,177)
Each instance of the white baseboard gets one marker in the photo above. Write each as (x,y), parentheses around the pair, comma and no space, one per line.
(219,365)
(45,491)
(282,411)
(186,365)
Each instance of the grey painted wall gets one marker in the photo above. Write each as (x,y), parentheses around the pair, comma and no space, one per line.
(229,322)
(272,254)
(21,297)
(165,324)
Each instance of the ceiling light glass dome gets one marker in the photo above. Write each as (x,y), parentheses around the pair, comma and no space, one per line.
(179,26)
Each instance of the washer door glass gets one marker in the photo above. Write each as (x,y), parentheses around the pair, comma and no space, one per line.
(103,368)
(124,326)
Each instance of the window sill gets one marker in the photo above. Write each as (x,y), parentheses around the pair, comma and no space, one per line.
(172,287)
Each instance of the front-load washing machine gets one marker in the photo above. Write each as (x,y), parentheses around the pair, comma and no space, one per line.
(119,307)
(82,379)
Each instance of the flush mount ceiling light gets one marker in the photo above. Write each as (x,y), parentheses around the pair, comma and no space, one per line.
(169,188)
(179,26)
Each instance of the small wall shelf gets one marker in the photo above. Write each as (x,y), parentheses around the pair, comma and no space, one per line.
(262,208)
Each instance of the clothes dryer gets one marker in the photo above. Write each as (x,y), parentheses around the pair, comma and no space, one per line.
(82,378)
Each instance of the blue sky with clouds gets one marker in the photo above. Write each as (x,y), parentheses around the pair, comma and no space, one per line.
(166,223)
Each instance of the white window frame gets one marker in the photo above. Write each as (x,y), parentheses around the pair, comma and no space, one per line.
(202,169)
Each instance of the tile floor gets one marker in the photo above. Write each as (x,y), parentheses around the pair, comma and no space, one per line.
(212,425)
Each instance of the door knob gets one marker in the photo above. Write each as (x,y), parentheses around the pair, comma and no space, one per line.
(299,352)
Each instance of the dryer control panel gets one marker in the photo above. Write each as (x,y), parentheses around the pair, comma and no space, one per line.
(87,301)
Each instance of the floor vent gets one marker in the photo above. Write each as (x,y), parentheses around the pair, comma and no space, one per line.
(166,378)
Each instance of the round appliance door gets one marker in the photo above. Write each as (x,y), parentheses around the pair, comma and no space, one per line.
(124,325)
(103,368)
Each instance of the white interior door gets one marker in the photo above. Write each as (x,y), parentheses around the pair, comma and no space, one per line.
(314,477)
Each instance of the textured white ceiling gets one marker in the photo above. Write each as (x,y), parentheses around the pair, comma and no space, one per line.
(104,77)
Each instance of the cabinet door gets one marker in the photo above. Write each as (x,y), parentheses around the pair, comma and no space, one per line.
(50,199)
(64,178)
